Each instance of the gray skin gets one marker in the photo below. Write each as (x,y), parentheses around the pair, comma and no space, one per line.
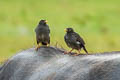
(49,63)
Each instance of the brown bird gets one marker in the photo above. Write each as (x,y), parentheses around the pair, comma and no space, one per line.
(42,34)
(74,41)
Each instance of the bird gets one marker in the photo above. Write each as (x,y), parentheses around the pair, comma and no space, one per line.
(42,34)
(74,41)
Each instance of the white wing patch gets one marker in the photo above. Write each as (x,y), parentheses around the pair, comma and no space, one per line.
(78,42)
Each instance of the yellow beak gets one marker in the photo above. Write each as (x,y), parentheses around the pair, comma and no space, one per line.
(65,30)
(46,21)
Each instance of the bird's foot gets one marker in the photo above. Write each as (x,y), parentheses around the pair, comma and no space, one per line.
(75,54)
(66,52)
(37,47)
(48,45)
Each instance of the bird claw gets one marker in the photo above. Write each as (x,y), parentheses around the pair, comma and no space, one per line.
(75,54)
(66,52)
(37,47)
(48,45)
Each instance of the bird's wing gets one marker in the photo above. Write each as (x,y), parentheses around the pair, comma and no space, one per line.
(78,38)
(48,29)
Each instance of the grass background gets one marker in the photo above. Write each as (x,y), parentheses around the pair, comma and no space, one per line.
(97,21)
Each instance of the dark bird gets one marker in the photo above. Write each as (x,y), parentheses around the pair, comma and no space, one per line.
(74,41)
(42,34)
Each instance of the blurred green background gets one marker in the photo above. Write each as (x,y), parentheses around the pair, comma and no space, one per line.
(97,21)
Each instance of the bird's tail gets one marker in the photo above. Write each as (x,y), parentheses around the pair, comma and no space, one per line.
(43,43)
(85,49)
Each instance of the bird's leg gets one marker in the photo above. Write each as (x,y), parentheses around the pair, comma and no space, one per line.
(77,53)
(48,44)
(68,52)
(38,46)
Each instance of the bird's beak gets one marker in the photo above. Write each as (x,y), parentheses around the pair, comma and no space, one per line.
(65,30)
(46,21)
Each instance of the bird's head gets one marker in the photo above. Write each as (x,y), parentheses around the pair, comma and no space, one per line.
(69,30)
(43,22)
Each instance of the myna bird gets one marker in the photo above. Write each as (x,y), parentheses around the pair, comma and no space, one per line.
(42,34)
(74,41)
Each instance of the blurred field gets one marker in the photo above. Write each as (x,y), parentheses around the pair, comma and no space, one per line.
(98,22)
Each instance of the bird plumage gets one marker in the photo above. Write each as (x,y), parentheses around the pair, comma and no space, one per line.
(73,40)
(42,33)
